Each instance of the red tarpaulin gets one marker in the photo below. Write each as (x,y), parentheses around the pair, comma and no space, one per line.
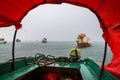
(107,11)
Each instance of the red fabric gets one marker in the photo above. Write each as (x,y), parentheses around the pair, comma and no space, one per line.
(107,11)
(51,76)
(12,12)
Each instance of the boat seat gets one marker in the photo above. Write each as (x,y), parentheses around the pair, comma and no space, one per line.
(84,71)
(90,71)
(12,75)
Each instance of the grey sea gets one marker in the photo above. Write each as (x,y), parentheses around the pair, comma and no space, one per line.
(61,48)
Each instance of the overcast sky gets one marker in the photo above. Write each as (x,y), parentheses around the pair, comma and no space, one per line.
(57,23)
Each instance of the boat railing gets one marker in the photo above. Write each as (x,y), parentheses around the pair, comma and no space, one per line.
(29,60)
(16,59)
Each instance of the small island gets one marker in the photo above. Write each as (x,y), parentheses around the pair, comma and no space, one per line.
(83,41)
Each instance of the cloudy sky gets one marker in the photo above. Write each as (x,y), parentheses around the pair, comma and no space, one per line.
(57,23)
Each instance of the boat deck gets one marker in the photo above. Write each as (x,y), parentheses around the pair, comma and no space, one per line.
(87,69)
(12,75)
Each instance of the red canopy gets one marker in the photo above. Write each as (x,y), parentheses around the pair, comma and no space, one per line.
(107,11)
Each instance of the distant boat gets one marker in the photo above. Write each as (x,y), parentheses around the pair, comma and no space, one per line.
(81,42)
(44,40)
(2,41)
(18,40)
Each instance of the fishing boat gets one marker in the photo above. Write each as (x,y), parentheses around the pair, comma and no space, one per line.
(2,41)
(42,67)
(44,40)
(48,67)
(80,41)
(18,40)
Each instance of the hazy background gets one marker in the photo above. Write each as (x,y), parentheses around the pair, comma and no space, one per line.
(57,23)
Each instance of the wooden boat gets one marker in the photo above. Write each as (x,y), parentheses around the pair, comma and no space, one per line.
(81,43)
(108,15)
(40,67)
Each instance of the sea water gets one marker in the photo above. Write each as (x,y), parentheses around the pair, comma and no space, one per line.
(58,48)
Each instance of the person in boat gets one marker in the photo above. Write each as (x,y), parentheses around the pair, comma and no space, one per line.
(75,54)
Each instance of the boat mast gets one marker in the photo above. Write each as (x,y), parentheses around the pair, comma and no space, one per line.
(13,51)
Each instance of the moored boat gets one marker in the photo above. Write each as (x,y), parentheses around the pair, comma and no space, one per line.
(18,40)
(2,41)
(44,40)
